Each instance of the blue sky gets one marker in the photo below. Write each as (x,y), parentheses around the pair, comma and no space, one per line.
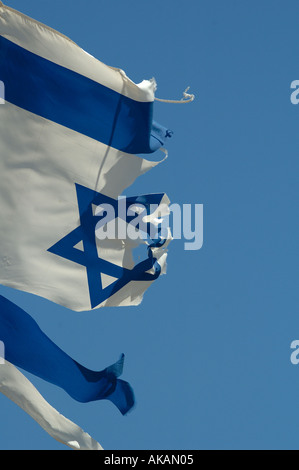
(208,350)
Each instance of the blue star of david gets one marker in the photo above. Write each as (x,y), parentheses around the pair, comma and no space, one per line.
(86,233)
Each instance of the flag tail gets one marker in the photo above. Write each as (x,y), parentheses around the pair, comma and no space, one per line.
(21,391)
(27,347)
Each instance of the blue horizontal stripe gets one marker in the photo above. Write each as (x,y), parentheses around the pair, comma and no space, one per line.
(77,102)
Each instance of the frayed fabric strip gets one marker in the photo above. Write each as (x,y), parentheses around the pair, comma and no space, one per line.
(187,98)
(27,347)
(21,391)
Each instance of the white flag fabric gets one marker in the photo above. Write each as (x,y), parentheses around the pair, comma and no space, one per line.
(21,391)
(70,131)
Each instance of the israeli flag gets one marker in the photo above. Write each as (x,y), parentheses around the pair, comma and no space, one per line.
(70,131)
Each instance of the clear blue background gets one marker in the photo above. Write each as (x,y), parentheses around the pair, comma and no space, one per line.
(208,350)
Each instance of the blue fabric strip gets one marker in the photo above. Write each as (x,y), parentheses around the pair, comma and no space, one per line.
(27,347)
(77,102)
